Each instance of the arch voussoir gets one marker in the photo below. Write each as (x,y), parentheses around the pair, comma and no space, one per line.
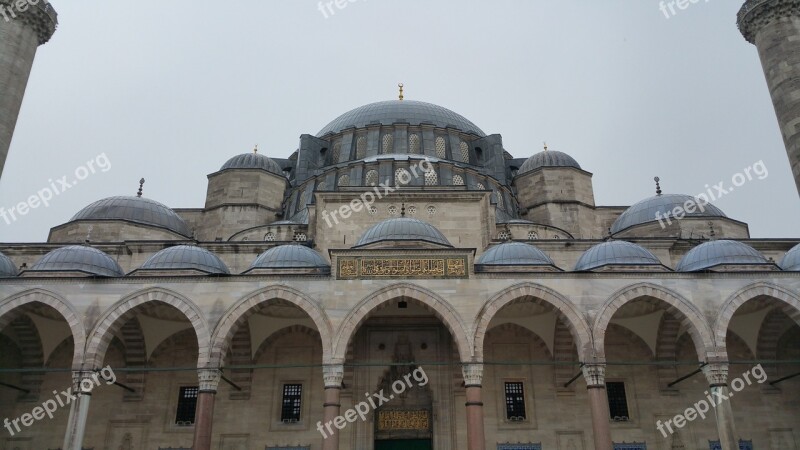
(789,303)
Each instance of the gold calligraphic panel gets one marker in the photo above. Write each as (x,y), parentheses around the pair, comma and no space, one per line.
(373,267)
(397,420)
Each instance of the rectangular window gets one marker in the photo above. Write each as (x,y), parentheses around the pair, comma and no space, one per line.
(617,401)
(290,407)
(515,401)
(187,402)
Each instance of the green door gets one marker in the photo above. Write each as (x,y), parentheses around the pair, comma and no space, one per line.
(404,444)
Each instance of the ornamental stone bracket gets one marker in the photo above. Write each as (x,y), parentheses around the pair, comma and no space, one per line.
(333,374)
(209,379)
(473,374)
(594,374)
(756,14)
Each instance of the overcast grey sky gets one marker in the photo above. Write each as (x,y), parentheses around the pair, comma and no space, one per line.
(169,90)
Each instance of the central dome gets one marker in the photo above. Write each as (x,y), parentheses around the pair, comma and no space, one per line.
(403,229)
(400,111)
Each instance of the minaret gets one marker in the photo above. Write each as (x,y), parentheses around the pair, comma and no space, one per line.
(24,26)
(774,27)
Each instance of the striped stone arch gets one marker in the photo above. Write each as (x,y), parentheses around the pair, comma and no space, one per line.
(32,358)
(691,318)
(536,341)
(565,310)
(67,311)
(269,342)
(443,310)
(790,305)
(238,314)
(112,321)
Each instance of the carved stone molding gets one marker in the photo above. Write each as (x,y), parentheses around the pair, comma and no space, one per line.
(209,379)
(333,374)
(756,14)
(594,374)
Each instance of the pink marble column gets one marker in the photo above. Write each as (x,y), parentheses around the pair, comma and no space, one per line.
(333,375)
(595,375)
(204,413)
(473,379)
(717,375)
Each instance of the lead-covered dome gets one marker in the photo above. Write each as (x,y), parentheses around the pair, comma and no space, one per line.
(791,260)
(616,253)
(253,161)
(400,111)
(7,267)
(78,258)
(186,257)
(662,206)
(292,256)
(514,254)
(548,158)
(403,229)
(135,209)
(723,252)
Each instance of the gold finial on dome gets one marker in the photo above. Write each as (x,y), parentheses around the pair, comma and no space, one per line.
(400,85)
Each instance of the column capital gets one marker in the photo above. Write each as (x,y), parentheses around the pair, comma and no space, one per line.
(78,376)
(209,379)
(756,14)
(716,373)
(594,374)
(473,374)
(333,375)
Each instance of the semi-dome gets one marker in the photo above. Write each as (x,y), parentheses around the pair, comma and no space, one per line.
(78,258)
(791,260)
(548,158)
(135,209)
(403,229)
(717,253)
(186,257)
(514,254)
(662,206)
(291,256)
(616,253)
(7,267)
(253,161)
(400,111)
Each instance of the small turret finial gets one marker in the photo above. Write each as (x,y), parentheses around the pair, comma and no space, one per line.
(400,85)
(255,150)
(545,146)
(403,210)
(712,234)
(658,186)
(141,185)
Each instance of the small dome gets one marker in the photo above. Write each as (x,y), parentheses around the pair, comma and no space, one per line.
(403,229)
(617,253)
(548,158)
(186,257)
(290,256)
(7,267)
(134,209)
(78,258)
(722,252)
(791,260)
(646,210)
(253,161)
(514,254)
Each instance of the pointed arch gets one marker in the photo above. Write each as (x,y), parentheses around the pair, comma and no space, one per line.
(789,304)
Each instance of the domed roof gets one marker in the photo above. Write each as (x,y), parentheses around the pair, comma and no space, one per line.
(186,257)
(618,253)
(134,209)
(292,256)
(548,158)
(78,258)
(791,260)
(715,253)
(7,267)
(400,111)
(645,211)
(253,161)
(403,229)
(514,254)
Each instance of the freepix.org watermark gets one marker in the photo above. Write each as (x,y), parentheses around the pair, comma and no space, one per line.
(373,402)
(700,408)
(328,8)
(669,7)
(10,12)
(55,188)
(712,193)
(60,400)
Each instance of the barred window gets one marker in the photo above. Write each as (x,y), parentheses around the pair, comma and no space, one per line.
(290,407)
(515,401)
(441,148)
(464,152)
(413,144)
(401,177)
(344,180)
(458,180)
(388,143)
(187,403)
(269,237)
(532,235)
(431,179)
(337,151)
(361,147)
(503,236)
(300,237)
(617,400)
(372,178)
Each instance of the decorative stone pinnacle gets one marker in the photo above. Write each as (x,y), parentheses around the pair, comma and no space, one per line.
(40,16)
(333,374)
(756,14)
(141,185)
(594,374)
(473,374)
(208,379)
(658,185)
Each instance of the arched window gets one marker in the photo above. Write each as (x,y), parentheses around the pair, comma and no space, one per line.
(300,237)
(302,203)
(388,143)
(464,152)
(269,237)
(500,202)
(344,180)
(361,147)
(441,148)
(480,187)
(532,236)
(413,144)
(458,180)
(337,152)
(401,177)
(431,179)
(503,236)
(372,178)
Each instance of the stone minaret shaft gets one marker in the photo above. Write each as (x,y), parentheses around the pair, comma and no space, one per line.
(22,31)
(774,27)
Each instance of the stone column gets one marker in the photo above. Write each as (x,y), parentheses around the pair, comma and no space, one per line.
(717,376)
(473,379)
(333,374)
(204,413)
(595,375)
(82,385)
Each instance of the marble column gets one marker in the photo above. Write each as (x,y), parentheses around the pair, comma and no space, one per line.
(204,413)
(82,385)
(595,375)
(473,379)
(717,375)
(333,375)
